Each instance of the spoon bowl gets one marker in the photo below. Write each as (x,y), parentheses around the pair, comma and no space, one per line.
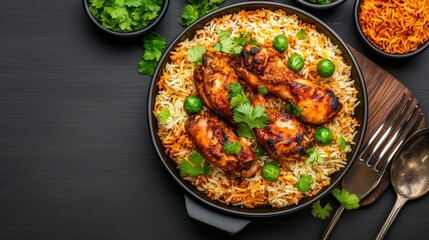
(409,173)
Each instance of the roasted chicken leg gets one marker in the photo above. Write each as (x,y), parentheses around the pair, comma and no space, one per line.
(212,79)
(209,135)
(263,66)
(283,137)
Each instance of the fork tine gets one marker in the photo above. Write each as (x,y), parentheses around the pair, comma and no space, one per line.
(368,174)
(377,132)
(411,131)
(393,139)
(388,131)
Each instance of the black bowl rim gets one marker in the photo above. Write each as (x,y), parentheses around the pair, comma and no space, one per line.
(139,32)
(224,208)
(320,6)
(378,51)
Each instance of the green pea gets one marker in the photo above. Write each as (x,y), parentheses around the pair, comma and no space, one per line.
(325,68)
(270,171)
(193,104)
(296,62)
(323,136)
(281,43)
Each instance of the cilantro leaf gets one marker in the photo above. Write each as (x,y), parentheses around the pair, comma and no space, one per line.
(223,33)
(153,45)
(261,152)
(236,50)
(133,3)
(232,46)
(262,90)
(294,109)
(97,3)
(349,200)
(244,131)
(163,115)
(301,34)
(236,95)
(150,15)
(195,165)
(152,54)
(304,183)
(234,89)
(196,54)
(252,41)
(196,9)
(146,67)
(217,47)
(245,114)
(226,44)
(190,14)
(252,116)
(313,156)
(342,143)
(321,212)
(232,147)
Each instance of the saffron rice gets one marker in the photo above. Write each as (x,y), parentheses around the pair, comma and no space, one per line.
(176,83)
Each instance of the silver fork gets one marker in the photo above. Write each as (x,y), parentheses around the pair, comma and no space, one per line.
(365,174)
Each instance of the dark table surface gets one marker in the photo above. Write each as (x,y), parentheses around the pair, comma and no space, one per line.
(76,160)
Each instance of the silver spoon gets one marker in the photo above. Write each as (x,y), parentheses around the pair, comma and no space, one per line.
(409,174)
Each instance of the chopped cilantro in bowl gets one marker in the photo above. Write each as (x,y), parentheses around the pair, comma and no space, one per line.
(125,18)
(320,4)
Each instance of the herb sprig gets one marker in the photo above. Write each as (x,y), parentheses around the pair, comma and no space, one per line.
(294,109)
(195,165)
(232,45)
(236,95)
(196,9)
(349,200)
(342,143)
(321,212)
(232,147)
(252,117)
(196,54)
(304,182)
(153,45)
(247,116)
(313,156)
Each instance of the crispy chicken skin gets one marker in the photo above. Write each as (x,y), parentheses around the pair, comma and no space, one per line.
(263,66)
(212,79)
(283,137)
(209,135)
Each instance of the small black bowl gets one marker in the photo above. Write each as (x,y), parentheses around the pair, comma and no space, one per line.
(140,32)
(378,51)
(316,6)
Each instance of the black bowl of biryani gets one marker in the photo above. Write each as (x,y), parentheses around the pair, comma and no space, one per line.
(393,29)
(320,4)
(125,19)
(231,33)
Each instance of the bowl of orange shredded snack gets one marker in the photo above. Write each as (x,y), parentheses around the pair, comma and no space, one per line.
(393,28)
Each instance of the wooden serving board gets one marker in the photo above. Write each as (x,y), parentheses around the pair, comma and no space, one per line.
(383,90)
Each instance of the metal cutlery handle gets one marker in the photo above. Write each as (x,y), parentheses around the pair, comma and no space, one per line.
(400,201)
(333,222)
(366,169)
